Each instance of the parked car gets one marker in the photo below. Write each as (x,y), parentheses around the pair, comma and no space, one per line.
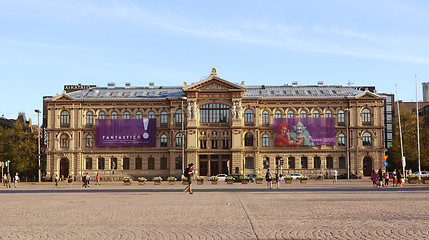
(221,176)
(251,177)
(423,173)
(344,176)
(295,175)
(236,177)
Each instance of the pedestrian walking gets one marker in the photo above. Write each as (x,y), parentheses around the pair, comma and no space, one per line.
(56,180)
(4,180)
(189,172)
(16,180)
(269,178)
(8,180)
(401,180)
(395,178)
(386,179)
(374,178)
(380,177)
(278,179)
(98,179)
(70,180)
(334,176)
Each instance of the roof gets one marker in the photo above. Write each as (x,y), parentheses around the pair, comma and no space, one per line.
(303,91)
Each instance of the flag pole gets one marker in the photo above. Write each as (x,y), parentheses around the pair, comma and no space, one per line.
(418,130)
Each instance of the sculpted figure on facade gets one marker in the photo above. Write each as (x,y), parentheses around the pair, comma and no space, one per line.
(189,111)
(194,110)
(239,110)
(234,111)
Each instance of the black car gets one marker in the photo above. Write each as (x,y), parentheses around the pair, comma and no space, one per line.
(236,177)
(344,176)
(251,177)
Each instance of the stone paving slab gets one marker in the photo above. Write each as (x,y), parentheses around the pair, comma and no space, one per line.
(317,210)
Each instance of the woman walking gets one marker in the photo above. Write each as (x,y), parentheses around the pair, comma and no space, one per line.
(70,180)
(395,178)
(374,178)
(386,179)
(269,178)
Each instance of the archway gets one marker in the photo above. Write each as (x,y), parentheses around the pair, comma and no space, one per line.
(64,167)
(367,166)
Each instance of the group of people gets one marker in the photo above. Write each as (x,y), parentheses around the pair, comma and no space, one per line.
(269,179)
(85,180)
(379,177)
(7,179)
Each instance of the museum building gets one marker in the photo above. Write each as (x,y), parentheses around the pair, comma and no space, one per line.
(220,126)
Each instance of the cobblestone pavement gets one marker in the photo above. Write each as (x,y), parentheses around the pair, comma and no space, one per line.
(317,210)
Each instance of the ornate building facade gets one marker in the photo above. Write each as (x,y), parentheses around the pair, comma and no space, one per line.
(219,126)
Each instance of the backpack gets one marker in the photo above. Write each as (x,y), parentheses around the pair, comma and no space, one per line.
(186,173)
(268,176)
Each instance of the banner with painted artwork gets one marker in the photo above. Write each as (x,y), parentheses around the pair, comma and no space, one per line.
(125,132)
(304,131)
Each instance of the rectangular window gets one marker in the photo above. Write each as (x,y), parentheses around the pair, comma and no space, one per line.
(249,163)
(178,163)
(317,162)
(330,162)
(151,163)
(304,162)
(88,162)
(139,163)
(291,162)
(126,164)
(100,163)
(342,162)
(163,163)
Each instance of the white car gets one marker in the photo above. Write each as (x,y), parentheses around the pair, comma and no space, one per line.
(295,175)
(423,173)
(221,177)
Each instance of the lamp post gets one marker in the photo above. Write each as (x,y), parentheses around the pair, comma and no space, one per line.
(2,165)
(7,165)
(183,139)
(347,110)
(38,139)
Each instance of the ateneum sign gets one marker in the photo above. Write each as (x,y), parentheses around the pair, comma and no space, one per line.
(125,132)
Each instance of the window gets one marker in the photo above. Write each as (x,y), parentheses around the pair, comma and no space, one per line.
(317,162)
(265,117)
(278,114)
(101,163)
(89,118)
(265,140)
(151,163)
(304,162)
(89,141)
(341,140)
(164,118)
(163,163)
(266,162)
(64,141)
(164,140)
(65,117)
(225,144)
(302,114)
(290,114)
(126,115)
(214,113)
(139,163)
(291,162)
(113,163)
(340,116)
(214,144)
(179,140)
(126,163)
(249,163)
(328,114)
(151,115)
(366,116)
(178,163)
(329,162)
(203,144)
(88,163)
(114,115)
(366,139)
(139,115)
(248,116)
(248,140)
(342,162)
(179,116)
(102,115)
(316,114)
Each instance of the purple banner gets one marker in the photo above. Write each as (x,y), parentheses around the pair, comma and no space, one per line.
(304,131)
(125,132)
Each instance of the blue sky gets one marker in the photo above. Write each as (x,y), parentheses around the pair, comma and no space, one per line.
(365,42)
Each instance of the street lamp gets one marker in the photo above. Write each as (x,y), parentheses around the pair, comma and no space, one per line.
(347,110)
(183,139)
(38,139)
(7,165)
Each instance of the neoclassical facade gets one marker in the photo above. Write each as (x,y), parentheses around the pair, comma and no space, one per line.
(219,126)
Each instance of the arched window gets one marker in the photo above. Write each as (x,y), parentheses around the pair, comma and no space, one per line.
(126,115)
(65,117)
(303,114)
(179,140)
(64,141)
(139,115)
(151,114)
(164,117)
(265,140)
(102,115)
(290,114)
(114,115)
(164,140)
(248,139)
(89,141)
(316,114)
(366,139)
(89,118)
(328,114)
(248,116)
(366,116)
(179,116)
(340,117)
(214,113)
(341,140)
(265,117)
(278,114)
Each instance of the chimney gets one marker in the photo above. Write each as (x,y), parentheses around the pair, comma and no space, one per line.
(320,83)
(151,84)
(127,85)
(111,85)
(295,83)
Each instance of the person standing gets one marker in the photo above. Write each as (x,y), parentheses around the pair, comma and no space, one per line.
(395,178)
(98,179)
(189,172)
(380,177)
(56,180)
(374,178)
(386,179)
(5,180)
(278,179)
(16,180)
(269,178)
(70,180)
(399,177)
(8,180)
(334,176)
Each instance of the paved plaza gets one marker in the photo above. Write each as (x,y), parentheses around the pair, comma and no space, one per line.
(350,209)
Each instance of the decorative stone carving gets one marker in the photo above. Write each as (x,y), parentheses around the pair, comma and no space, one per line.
(189,111)
(194,110)
(239,110)
(234,111)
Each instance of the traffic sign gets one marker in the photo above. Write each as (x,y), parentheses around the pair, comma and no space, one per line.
(385,163)
(385,157)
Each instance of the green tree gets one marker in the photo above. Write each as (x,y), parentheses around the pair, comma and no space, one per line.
(19,146)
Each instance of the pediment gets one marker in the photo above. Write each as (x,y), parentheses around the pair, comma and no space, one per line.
(214,83)
(368,94)
(63,97)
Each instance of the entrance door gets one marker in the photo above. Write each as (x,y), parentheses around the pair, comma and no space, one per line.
(64,167)
(367,166)
(203,168)
(214,168)
(225,167)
